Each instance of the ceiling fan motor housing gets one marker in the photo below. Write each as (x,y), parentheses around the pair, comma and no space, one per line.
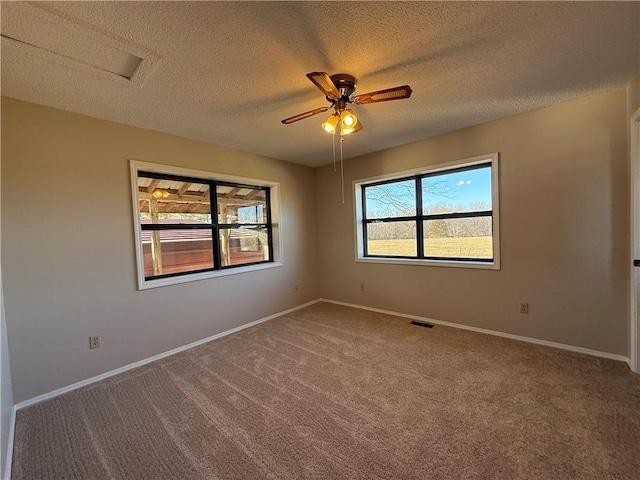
(347,85)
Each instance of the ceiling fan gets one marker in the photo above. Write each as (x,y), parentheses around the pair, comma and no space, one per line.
(339,90)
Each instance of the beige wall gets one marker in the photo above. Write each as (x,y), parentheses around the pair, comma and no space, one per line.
(564,229)
(634,92)
(69,255)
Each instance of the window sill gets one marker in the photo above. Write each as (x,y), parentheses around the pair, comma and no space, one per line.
(163,282)
(430,263)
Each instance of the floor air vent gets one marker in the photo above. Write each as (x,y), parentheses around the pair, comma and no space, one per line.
(422,324)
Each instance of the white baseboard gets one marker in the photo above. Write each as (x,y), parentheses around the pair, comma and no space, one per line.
(12,430)
(97,378)
(546,343)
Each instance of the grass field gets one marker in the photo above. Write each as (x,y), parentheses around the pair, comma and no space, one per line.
(472,247)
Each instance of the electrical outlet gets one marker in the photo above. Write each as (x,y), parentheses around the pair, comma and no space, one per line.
(524,308)
(94,342)
(362,287)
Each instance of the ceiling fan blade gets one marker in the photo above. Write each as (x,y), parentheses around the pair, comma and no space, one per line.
(395,93)
(325,84)
(304,115)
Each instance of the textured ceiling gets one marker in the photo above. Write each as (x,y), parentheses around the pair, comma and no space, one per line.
(228,72)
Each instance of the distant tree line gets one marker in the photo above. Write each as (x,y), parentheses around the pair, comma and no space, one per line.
(440,228)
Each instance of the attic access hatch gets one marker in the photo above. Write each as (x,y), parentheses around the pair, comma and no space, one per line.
(41,31)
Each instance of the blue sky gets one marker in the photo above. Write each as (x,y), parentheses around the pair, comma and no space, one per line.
(466,187)
(458,188)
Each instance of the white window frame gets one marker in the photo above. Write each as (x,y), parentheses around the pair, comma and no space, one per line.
(491,158)
(276,223)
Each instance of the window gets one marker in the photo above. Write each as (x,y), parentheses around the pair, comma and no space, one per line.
(193,225)
(445,216)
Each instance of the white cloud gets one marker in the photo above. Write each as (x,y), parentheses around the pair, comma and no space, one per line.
(460,183)
(468,182)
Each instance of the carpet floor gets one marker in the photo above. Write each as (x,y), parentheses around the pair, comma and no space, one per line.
(330,392)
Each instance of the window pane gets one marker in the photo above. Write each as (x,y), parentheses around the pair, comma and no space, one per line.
(392,239)
(244,245)
(458,238)
(241,205)
(171,201)
(467,191)
(173,251)
(397,199)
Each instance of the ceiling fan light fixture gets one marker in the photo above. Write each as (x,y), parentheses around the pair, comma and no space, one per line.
(348,130)
(159,193)
(330,125)
(348,119)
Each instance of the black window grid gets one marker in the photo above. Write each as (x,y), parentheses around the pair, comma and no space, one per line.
(420,218)
(214,226)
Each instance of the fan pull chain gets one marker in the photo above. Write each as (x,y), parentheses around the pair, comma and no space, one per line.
(341,168)
(333,138)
